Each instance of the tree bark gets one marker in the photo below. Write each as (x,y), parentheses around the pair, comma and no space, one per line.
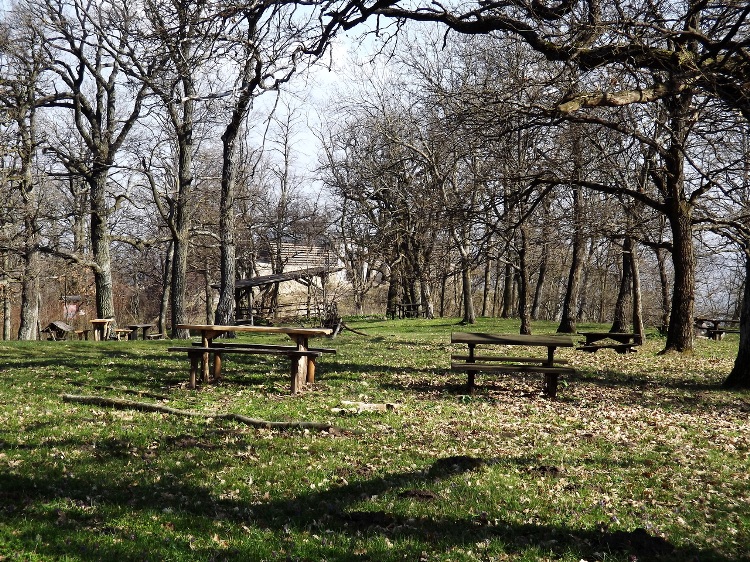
(486,288)
(100,246)
(739,377)
(165,288)
(570,303)
(664,284)
(523,286)
(679,212)
(637,306)
(621,319)
(469,316)
(507,292)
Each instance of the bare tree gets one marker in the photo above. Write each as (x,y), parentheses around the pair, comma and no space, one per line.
(22,63)
(102,110)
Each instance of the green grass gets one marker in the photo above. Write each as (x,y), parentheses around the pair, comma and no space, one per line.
(641,456)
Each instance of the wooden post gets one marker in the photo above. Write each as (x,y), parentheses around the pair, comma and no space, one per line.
(310,370)
(217,367)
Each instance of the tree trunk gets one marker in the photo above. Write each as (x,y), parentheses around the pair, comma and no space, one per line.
(665,284)
(469,316)
(680,333)
(523,286)
(29,326)
(182,211)
(225,309)
(637,306)
(486,291)
(507,292)
(583,296)
(6,298)
(496,293)
(621,318)
(179,282)
(570,303)
(100,247)
(540,284)
(165,288)
(739,377)
(208,295)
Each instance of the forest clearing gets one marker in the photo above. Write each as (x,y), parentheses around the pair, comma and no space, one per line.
(640,457)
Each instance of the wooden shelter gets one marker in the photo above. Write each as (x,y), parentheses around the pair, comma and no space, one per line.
(259,296)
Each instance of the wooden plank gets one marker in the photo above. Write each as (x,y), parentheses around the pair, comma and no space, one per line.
(508,359)
(512,339)
(240,345)
(493,367)
(618,347)
(243,350)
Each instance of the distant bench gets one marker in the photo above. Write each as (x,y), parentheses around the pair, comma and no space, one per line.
(472,363)
(197,354)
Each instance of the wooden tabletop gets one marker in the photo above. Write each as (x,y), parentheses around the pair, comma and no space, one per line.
(290,330)
(621,334)
(512,339)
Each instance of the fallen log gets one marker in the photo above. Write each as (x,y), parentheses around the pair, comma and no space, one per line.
(123,404)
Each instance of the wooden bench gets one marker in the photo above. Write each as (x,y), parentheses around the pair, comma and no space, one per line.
(121,333)
(551,374)
(473,363)
(197,354)
(83,334)
(718,333)
(155,336)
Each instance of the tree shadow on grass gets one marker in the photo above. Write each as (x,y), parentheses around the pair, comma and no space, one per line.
(177,500)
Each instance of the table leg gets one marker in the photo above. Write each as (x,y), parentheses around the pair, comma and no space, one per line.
(311,370)
(133,335)
(300,365)
(217,367)
(206,341)
(145,332)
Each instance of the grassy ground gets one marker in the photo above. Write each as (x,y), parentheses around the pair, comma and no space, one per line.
(641,456)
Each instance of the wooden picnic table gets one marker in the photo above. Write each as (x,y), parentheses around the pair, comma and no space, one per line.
(548,365)
(715,328)
(303,359)
(101,328)
(134,330)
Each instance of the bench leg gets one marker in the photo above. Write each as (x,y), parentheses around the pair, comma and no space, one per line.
(195,360)
(550,384)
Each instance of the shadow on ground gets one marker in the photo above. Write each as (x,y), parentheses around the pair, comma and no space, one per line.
(340,509)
